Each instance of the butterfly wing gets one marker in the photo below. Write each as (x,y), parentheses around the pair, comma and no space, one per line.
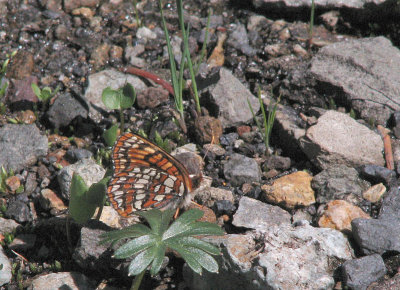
(145,176)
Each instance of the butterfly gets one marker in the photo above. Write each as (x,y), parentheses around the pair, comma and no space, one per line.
(145,177)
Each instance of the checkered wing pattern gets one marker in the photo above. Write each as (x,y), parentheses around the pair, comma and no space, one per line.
(145,177)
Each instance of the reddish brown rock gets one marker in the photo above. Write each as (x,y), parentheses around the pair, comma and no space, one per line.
(338,215)
(208,129)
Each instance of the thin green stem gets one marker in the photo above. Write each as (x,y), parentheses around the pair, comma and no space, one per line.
(310,32)
(187,53)
(137,281)
(137,14)
(204,47)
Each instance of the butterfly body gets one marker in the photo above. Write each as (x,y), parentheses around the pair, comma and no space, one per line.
(145,177)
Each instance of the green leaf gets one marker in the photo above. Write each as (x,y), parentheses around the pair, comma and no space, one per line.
(137,245)
(203,228)
(133,231)
(165,220)
(153,217)
(205,260)
(190,259)
(195,243)
(128,96)
(141,261)
(183,223)
(110,135)
(158,259)
(80,210)
(110,98)
(96,194)
(36,90)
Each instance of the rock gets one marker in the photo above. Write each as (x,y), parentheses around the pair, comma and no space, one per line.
(290,128)
(214,148)
(240,169)
(49,200)
(238,39)
(71,5)
(389,284)
(390,208)
(291,190)
(277,162)
(89,254)
(23,242)
(339,139)
(374,193)
(254,214)
(339,182)
(107,78)
(145,34)
(230,96)
(228,139)
(325,4)
(66,108)
(7,226)
(209,195)
(338,215)
(88,169)
(357,69)
(20,146)
(110,217)
(224,207)
(21,65)
(100,56)
(20,94)
(18,210)
(377,236)
(69,280)
(75,154)
(208,129)
(192,162)
(5,271)
(378,174)
(255,261)
(152,97)
(359,273)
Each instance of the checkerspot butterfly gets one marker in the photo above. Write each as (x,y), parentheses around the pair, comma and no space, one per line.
(145,177)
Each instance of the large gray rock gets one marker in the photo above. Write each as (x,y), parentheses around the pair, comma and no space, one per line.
(62,280)
(65,109)
(339,139)
(230,96)
(339,182)
(88,169)
(279,257)
(376,236)
(21,145)
(359,273)
(366,72)
(5,271)
(240,169)
(327,4)
(255,214)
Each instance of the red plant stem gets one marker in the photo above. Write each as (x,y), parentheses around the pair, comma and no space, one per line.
(142,73)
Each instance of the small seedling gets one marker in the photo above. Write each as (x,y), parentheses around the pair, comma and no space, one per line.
(4,175)
(148,245)
(84,200)
(45,94)
(110,135)
(120,99)
(268,119)
(162,143)
(3,70)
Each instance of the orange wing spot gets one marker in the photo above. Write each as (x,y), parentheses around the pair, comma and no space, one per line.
(126,186)
(150,202)
(166,166)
